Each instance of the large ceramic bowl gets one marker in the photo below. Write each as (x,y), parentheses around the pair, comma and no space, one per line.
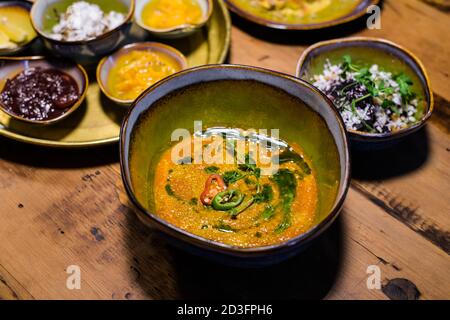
(86,51)
(27,44)
(374,51)
(241,7)
(10,66)
(234,96)
(178,31)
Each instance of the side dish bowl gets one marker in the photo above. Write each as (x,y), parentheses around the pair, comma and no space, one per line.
(105,65)
(178,31)
(83,51)
(212,94)
(375,51)
(10,66)
(238,7)
(22,46)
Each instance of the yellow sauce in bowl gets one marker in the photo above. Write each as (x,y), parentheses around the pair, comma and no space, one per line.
(137,70)
(15,27)
(163,14)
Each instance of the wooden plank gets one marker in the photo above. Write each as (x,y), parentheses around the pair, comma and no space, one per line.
(382,240)
(10,288)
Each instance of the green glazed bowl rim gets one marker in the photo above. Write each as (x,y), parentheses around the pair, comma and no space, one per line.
(208,244)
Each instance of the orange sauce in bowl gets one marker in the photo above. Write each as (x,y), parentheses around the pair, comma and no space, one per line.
(163,14)
(178,189)
(137,70)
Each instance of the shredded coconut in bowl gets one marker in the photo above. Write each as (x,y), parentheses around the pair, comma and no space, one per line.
(369,99)
(84,21)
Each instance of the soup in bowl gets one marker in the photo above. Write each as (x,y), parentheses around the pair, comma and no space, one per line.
(235,162)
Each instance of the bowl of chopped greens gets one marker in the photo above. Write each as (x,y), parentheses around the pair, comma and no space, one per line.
(381,89)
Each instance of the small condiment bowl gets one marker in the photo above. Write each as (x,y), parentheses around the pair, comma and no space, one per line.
(84,51)
(179,100)
(23,46)
(176,31)
(370,48)
(105,65)
(10,66)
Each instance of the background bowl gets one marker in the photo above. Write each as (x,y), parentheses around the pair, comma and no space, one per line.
(105,65)
(242,97)
(357,12)
(377,51)
(10,66)
(24,46)
(177,31)
(86,51)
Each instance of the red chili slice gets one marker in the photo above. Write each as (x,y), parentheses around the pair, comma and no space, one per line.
(213,186)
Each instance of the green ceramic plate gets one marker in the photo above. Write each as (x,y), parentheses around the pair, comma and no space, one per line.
(98,120)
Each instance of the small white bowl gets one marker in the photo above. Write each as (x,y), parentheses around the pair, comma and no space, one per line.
(176,31)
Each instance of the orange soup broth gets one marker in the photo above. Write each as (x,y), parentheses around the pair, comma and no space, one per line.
(187,182)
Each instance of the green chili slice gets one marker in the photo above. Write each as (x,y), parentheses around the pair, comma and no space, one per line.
(227,200)
(242,207)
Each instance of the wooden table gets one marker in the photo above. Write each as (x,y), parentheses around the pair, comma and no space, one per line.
(67,207)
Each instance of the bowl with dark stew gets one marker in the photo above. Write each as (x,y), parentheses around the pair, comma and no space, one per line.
(41,91)
(236,163)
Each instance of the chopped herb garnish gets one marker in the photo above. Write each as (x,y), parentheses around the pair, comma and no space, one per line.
(265,195)
(222,227)
(212,169)
(233,176)
(405,83)
(268,213)
(287,185)
(289,155)
(169,190)
(193,201)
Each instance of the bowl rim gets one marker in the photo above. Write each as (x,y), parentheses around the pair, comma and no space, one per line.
(186,27)
(366,136)
(71,109)
(144,45)
(27,6)
(222,247)
(42,34)
(299,27)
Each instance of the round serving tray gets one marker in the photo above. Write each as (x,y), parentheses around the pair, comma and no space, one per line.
(98,120)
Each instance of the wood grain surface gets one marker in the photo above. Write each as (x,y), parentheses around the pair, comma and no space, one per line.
(67,207)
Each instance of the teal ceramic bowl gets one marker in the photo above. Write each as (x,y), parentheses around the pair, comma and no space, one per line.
(241,97)
(86,51)
(387,55)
